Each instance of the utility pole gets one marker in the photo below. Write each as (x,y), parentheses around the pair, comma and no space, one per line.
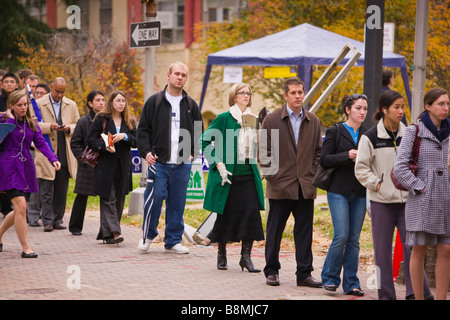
(373,56)
(149,80)
(420,58)
(137,196)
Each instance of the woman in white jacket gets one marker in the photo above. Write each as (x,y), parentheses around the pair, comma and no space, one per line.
(376,157)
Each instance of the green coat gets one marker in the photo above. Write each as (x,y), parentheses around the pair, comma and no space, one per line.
(216,195)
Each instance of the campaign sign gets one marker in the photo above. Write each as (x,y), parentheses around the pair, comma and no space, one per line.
(136,161)
(196,186)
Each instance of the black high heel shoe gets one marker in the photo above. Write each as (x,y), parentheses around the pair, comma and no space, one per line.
(245,261)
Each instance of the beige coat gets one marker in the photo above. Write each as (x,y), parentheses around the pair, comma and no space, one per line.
(70,116)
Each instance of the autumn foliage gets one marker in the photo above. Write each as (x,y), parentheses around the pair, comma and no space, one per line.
(86,66)
(264,17)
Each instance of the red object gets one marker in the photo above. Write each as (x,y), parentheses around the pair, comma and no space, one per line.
(192,15)
(398,256)
(52,15)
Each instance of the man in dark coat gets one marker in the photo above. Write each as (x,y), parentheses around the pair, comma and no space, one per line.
(289,186)
(168,129)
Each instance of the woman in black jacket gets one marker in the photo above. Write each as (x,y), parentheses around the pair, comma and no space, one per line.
(346,197)
(113,178)
(84,184)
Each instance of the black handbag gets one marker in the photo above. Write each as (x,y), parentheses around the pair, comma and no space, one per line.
(89,156)
(322,177)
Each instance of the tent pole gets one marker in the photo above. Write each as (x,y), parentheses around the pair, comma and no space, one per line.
(205,85)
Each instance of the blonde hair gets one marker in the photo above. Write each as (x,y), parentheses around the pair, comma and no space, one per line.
(109,109)
(13,99)
(179,63)
(234,90)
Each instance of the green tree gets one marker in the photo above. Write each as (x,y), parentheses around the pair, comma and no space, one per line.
(16,22)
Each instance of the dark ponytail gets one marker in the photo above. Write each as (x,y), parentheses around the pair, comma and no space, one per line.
(386,100)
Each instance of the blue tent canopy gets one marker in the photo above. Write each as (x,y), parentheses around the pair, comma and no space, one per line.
(303,46)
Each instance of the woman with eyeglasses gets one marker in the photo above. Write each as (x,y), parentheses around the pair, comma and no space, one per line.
(427,211)
(378,149)
(346,197)
(234,189)
(113,178)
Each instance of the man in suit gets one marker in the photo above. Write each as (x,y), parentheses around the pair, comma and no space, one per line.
(60,116)
(289,187)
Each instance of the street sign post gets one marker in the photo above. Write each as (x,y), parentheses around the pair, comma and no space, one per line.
(145,34)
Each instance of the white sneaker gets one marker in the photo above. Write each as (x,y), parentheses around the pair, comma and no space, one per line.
(178,248)
(144,246)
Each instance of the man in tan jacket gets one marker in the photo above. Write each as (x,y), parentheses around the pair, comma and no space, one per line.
(294,133)
(60,116)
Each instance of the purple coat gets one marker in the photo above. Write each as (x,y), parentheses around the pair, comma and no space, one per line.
(17,170)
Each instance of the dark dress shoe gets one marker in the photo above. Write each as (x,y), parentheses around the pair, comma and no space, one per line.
(1,247)
(330,287)
(309,282)
(48,228)
(356,292)
(76,233)
(34,224)
(273,280)
(29,255)
(58,226)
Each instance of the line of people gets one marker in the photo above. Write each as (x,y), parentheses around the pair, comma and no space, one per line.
(285,151)
(42,192)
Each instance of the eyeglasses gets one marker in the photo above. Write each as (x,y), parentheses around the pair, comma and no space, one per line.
(357,96)
(248,94)
(354,97)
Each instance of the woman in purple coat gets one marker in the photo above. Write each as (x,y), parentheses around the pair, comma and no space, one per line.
(17,170)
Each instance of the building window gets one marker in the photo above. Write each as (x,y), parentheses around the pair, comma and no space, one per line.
(105,16)
(219,14)
(171,15)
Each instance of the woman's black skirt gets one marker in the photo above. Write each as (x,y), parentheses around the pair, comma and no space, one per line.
(241,219)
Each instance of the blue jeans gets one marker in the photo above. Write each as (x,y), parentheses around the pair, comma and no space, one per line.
(166,182)
(347,213)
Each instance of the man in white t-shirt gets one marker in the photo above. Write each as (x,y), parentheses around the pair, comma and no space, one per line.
(170,123)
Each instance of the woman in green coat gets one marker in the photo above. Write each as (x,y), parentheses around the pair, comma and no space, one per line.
(234,189)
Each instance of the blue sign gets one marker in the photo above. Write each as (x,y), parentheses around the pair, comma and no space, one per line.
(136,161)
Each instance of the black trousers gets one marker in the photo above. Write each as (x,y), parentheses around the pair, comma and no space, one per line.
(279,212)
(78,213)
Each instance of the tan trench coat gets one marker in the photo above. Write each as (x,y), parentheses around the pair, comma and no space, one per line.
(70,116)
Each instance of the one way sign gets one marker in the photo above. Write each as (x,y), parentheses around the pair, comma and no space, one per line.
(145,34)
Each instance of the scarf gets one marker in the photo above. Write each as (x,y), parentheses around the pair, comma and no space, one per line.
(247,136)
(443,133)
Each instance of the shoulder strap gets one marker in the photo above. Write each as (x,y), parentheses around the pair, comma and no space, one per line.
(159,96)
(416,145)
(338,138)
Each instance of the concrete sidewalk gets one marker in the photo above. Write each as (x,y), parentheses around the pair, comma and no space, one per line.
(82,268)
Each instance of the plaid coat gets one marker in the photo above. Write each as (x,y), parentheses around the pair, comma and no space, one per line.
(428,211)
